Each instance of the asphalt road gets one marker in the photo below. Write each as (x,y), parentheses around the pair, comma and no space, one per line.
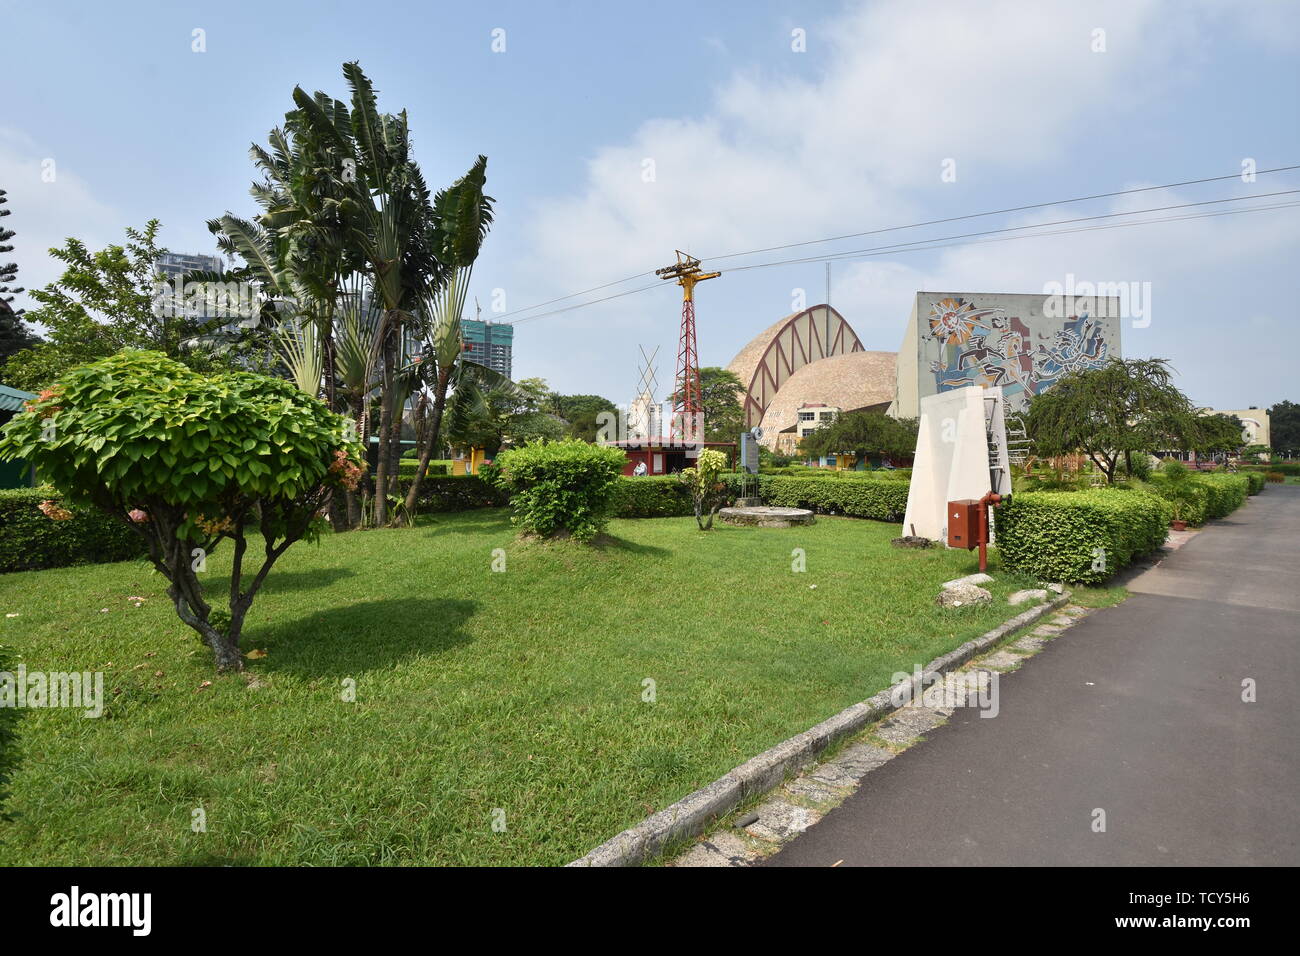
(1136,710)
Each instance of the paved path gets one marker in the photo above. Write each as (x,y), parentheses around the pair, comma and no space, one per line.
(1137,711)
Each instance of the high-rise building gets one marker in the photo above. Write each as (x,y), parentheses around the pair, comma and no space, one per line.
(175,265)
(489,343)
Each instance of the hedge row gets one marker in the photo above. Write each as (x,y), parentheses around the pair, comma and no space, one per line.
(29,541)
(439,493)
(1079,537)
(1256,479)
(882,498)
(658,496)
(1290,468)
(1223,493)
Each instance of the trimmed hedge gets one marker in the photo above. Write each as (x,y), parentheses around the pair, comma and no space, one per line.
(442,493)
(652,496)
(1256,479)
(1227,492)
(1289,468)
(865,497)
(407,467)
(1080,537)
(29,541)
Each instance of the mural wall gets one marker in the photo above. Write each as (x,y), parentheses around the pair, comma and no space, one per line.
(1008,341)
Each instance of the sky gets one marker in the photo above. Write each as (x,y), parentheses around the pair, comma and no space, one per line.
(617,133)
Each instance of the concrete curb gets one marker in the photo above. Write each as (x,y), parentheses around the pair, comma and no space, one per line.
(692,814)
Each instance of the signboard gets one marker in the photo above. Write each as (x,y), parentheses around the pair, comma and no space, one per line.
(749,453)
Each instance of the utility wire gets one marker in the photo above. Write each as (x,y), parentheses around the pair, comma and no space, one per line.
(914,225)
(943,242)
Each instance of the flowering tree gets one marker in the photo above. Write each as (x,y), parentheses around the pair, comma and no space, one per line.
(705,482)
(190,460)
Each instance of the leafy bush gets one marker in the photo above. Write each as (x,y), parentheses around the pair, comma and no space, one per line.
(31,541)
(190,460)
(1079,536)
(565,486)
(1191,501)
(862,497)
(1227,492)
(708,492)
(1256,479)
(442,493)
(1275,477)
(659,496)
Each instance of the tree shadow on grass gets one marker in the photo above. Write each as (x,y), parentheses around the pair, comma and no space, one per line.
(278,581)
(609,542)
(370,635)
(481,520)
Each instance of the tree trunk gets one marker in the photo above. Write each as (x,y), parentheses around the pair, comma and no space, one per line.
(430,440)
(385,427)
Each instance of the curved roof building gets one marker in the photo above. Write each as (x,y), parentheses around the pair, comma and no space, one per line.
(809,357)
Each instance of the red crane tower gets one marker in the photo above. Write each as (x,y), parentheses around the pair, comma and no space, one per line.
(688,411)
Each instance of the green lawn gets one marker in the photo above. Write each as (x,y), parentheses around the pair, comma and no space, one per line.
(476,690)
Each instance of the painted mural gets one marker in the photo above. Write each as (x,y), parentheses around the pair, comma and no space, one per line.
(987,346)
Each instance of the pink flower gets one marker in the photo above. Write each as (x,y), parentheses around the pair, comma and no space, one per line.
(139,516)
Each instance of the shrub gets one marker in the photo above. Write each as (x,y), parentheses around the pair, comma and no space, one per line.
(443,493)
(1275,477)
(31,541)
(1288,468)
(659,496)
(1256,479)
(406,468)
(557,487)
(1227,492)
(706,486)
(1079,536)
(862,497)
(188,461)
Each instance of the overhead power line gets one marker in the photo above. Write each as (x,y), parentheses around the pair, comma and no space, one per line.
(946,242)
(913,225)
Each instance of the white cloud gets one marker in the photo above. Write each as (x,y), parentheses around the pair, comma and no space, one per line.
(44,214)
(900,87)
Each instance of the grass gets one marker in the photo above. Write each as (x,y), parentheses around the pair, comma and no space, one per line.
(475,691)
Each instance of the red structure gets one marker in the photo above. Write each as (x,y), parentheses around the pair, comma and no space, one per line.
(664,456)
(687,423)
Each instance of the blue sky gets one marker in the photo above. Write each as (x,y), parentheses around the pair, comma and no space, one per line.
(752,143)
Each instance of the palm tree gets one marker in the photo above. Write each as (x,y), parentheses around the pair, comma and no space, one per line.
(463,215)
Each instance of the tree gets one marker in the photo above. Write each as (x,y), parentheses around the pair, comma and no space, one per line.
(462,215)
(580,413)
(228,455)
(106,301)
(14,334)
(1126,406)
(705,483)
(1284,428)
(861,434)
(720,400)
(1217,434)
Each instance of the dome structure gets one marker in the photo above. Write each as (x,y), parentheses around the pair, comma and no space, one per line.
(809,357)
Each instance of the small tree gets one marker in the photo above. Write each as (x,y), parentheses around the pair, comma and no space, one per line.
(861,434)
(559,487)
(1126,407)
(190,460)
(705,482)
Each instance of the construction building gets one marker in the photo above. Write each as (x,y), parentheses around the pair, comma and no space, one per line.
(490,344)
